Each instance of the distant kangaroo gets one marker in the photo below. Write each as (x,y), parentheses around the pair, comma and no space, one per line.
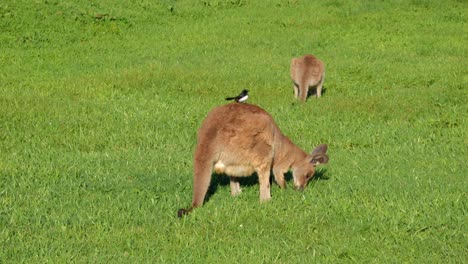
(240,139)
(307,71)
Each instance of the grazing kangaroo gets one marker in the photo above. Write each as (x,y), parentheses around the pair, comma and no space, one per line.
(307,71)
(240,139)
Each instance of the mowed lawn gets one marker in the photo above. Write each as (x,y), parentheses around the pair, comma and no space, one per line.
(100,102)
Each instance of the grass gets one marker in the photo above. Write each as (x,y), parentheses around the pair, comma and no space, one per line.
(100,103)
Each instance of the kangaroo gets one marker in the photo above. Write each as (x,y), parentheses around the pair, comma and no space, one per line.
(307,71)
(240,139)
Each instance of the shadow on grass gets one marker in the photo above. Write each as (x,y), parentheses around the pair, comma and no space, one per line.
(223,180)
(318,176)
(313,91)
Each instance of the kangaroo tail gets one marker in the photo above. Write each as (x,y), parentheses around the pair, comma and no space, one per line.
(303,90)
(203,166)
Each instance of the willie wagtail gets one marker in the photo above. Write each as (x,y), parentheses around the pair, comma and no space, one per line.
(242,97)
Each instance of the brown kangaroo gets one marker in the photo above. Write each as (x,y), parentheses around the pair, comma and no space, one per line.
(307,71)
(240,139)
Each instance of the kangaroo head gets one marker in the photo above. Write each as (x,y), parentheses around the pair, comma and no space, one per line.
(306,168)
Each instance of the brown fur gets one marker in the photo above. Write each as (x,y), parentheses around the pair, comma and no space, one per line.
(307,71)
(240,139)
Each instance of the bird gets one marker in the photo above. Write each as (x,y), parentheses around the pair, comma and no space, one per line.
(242,97)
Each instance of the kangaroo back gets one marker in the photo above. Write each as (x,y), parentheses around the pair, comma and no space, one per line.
(238,138)
(307,71)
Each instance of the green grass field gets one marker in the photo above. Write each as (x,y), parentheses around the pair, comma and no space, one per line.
(100,102)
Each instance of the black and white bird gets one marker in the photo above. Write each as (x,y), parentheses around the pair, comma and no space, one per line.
(242,97)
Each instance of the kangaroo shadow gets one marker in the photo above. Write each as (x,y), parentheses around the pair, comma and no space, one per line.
(313,91)
(223,180)
(318,176)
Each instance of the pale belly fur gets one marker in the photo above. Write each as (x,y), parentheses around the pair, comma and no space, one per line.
(233,170)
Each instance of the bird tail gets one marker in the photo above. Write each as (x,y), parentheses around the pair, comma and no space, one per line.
(230,98)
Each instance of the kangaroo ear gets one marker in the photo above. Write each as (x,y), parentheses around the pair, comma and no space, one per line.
(320,158)
(320,149)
